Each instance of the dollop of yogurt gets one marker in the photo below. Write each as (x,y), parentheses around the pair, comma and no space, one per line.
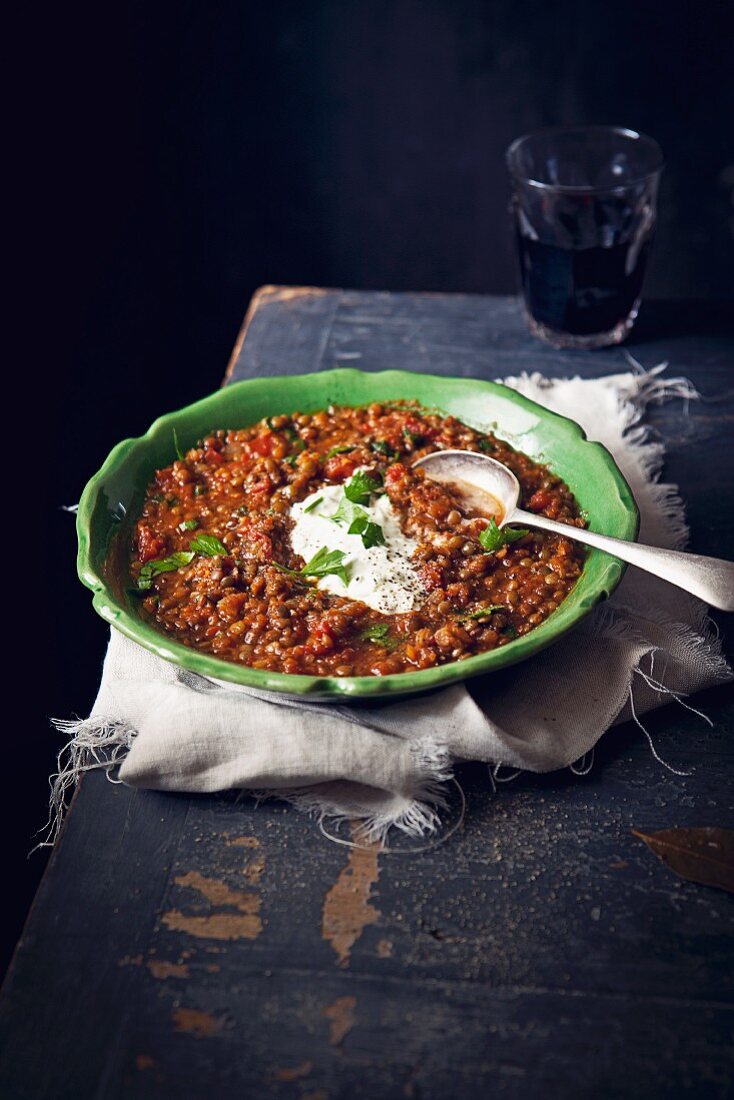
(384,576)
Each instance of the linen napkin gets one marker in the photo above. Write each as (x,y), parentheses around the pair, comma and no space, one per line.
(154,725)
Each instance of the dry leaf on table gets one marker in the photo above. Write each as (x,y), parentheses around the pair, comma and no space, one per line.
(704,855)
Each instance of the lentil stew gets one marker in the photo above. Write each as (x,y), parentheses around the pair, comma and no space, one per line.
(214,562)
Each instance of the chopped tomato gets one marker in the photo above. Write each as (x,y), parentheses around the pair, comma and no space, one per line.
(263,444)
(150,546)
(395,473)
(212,457)
(540,500)
(262,546)
(431,575)
(321,639)
(340,467)
(265,485)
(419,428)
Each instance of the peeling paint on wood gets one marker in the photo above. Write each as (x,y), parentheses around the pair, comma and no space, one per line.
(347,911)
(341,1017)
(161,969)
(218,893)
(292,1073)
(290,293)
(220,925)
(130,960)
(217,926)
(196,1023)
(254,869)
(242,841)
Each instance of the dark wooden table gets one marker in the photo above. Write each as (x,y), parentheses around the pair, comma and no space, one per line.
(203,947)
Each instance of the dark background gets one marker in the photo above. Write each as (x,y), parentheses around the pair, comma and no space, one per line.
(194,153)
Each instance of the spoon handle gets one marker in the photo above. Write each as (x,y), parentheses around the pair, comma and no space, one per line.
(711,579)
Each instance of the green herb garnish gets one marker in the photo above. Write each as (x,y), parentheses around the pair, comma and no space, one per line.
(325,562)
(158,498)
(361,487)
(341,449)
(494,537)
(243,510)
(383,448)
(509,631)
(179,452)
(151,569)
(412,437)
(209,545)
(370,533)
(358,522)
(480,612)
(322,564)
(188,525)
(172,502)
(346,513)
(199,489)
(379,633)
(314,504)
(485,445)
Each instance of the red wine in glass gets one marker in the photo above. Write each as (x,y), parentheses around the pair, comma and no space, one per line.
(582,291)
(584,200)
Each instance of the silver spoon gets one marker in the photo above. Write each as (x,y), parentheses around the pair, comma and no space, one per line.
(476,475)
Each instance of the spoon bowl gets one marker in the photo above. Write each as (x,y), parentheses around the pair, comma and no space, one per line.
(483,482)
(493,490)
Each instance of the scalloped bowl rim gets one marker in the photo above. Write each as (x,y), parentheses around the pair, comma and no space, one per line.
(348,688)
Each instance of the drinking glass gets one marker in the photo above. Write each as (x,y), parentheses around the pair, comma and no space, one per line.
(584,201)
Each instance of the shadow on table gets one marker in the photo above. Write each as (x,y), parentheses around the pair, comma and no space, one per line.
(669,319)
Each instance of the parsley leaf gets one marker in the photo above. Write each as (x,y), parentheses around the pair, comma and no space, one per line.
(346,513)
(485,444)
(371,533)
(383,448)
(188,525)
(358,522)
(341,450)
(179,452)
(494,537)
(510,632)
(325,562)
(314,504)
(199,490)
(480,612)
(412,437)
(361,487)
(208,545)
(163,565)
(379,633)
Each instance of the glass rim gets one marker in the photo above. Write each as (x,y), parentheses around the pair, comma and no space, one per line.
(583,189)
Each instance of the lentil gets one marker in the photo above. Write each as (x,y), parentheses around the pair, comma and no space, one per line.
(238,486)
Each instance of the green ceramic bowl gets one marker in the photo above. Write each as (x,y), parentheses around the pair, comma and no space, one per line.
(114,496)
